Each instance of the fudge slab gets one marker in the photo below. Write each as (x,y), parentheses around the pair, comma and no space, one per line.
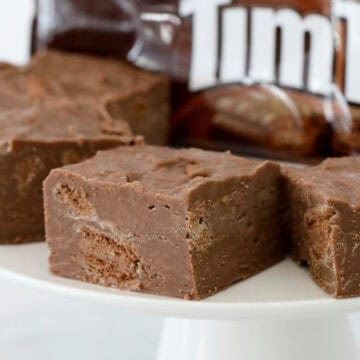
(324,223)
(19,90)
(184,223)
(139,97)
(34,141)
(131,94)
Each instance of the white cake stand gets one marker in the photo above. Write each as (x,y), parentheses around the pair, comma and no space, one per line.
(278,315)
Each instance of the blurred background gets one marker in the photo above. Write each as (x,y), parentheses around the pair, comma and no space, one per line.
(40,325)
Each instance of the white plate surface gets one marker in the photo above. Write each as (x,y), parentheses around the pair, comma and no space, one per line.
(283,291)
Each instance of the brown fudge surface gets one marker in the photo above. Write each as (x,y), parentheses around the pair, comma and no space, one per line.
(4,66)
(19,90)
(131,94)
(184,223)
(34,141)
(324,222)
(139,97)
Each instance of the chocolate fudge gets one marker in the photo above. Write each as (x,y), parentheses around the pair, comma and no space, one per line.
(19,89)
(35,140)
(139,97)
(184,223)
(324,223)
(131,94)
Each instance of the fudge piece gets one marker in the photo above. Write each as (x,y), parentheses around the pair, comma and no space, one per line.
(145,112)
(139,97)
(20,89)
(181,223)
(324,223)
(4,66)
(131,94)
(265,116)
(34,141)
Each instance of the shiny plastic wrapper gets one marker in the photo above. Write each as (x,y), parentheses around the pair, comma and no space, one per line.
(271,78)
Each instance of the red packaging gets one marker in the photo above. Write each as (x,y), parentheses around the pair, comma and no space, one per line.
(274,78)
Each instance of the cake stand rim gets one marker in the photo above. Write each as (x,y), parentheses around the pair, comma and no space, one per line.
(170,307)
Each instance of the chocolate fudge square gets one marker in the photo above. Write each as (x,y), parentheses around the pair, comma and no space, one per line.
(324,223)
(139,97)
(177,222)
(34,141)
(136,96)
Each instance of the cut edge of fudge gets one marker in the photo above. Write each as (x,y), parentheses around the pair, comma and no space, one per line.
(147,112)
(157,220)
(324,224)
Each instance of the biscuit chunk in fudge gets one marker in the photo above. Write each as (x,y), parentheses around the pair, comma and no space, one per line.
(184,223)
(324,224)
(34,141)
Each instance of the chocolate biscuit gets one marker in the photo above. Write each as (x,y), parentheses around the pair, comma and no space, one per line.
(266,116)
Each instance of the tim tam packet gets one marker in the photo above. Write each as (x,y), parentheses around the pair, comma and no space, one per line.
(265,77)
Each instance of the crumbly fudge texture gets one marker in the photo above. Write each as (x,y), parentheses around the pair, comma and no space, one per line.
(324,223)
(127,93)
(181,223)
(36,140)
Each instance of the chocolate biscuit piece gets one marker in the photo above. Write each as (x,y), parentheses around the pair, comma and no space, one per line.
(141,96)
(274,118)
(182,223)
(324,223)
(346,136)
(34,141)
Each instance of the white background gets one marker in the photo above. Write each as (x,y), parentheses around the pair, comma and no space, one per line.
(42,326)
